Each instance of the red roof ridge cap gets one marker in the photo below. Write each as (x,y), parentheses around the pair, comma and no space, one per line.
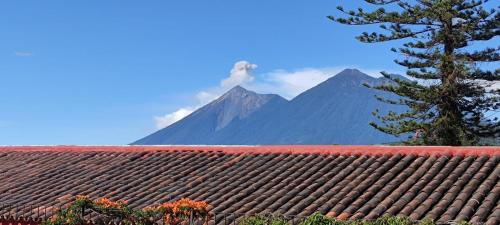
(270,149)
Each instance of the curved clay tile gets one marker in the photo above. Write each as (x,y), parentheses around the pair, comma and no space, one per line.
(383,187)
(475,200)
(488,205)
(455,193)
(445,183)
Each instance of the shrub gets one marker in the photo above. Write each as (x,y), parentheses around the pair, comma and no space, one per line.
(172,213)
(427,222)
(264,220)
(318,219)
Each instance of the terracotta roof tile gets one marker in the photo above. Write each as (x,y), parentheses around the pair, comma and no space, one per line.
(356,182)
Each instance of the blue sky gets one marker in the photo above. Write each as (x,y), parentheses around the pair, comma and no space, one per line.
(100,72)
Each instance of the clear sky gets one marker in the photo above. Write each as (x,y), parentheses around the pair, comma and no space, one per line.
(104,72)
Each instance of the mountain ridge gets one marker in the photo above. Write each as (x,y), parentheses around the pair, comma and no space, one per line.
(336,111)
(236,104)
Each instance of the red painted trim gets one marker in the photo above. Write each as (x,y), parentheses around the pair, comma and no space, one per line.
(270,149)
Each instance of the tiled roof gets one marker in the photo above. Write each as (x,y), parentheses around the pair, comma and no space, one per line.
(442,183)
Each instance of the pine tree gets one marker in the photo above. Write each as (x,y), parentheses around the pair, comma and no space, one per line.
(448,98)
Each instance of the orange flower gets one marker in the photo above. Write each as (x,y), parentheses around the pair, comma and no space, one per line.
(106,203)
(82,197)
(182,209)
(173,213)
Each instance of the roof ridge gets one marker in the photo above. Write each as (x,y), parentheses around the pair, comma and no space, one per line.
(269,149)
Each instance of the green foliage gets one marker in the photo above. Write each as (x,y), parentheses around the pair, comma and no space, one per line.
(464,223)
(264,220)
(391,220)
(427,222)
(72,215)
(450,104)
(318,219)
(171,213)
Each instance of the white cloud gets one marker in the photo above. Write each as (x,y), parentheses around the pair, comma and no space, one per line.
(291,83)
(288,84)
(23,54)
(240,74)
(170,118)
(204,97)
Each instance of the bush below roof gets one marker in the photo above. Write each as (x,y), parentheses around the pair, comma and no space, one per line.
(319,219)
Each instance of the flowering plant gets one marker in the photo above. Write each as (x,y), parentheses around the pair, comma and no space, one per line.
(172,213)
(116,209)
(181,210)
(72,214)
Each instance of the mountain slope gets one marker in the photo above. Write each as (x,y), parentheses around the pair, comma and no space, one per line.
(337,111)
(203,124)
